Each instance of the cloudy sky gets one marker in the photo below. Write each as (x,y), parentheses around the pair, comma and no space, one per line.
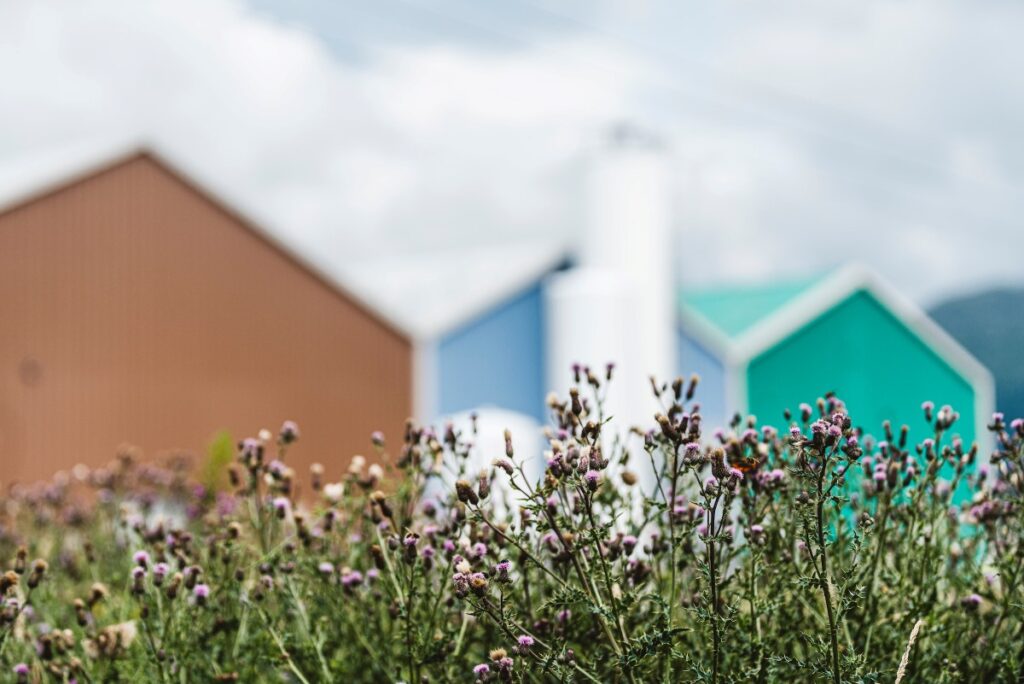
(804,134)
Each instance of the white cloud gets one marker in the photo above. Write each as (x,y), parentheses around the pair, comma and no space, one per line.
(413,144)
(805,136)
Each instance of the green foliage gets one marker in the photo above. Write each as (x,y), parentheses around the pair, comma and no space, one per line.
(656,555)
(213,473)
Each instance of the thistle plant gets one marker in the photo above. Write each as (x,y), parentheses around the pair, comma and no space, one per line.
(810,550)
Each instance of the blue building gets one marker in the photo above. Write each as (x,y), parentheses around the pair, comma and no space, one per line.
(478,320)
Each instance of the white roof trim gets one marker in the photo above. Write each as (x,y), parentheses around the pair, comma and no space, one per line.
(807,306)
(798,311)
(933,335)
(435,293)
(514,286)
(705,333)
(64,170)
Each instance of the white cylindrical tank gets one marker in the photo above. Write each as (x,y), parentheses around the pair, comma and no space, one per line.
(590,316)
(628,231)
(488,444)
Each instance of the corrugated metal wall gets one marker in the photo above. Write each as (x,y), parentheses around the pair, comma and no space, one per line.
(133,308)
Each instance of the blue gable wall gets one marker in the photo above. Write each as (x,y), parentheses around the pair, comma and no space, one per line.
(696,358)
(496,360)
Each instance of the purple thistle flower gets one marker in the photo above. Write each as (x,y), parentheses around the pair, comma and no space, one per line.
(250,448)
(629,543)
(482,670)
(478,582)
(354,578)
(971,602)
(525,642)
(141,559)
(592,478)
(325,568)
(21,669)
(289,432)
(201,592)
(461,583)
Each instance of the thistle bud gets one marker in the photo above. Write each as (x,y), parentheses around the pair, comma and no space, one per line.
(81,616)
(39,568)
(666,427)
(464,491)
(380,499)
(97,593)
(691,389)
(505,465)
(174,585)
(7,580)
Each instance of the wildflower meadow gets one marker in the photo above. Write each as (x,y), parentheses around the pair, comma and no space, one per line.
(807,551)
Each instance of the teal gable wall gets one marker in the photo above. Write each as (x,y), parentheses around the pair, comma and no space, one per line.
(871,360)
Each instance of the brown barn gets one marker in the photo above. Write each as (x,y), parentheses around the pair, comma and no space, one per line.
(136,307)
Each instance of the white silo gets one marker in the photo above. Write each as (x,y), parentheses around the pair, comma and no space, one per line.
(618,303)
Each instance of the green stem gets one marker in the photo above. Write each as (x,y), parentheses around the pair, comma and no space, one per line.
(823,578)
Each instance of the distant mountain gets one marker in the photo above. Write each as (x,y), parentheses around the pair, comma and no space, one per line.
(991,326)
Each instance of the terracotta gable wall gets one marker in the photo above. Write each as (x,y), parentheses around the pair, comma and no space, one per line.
(134,309)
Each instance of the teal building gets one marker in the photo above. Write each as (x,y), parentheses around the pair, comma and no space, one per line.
(763,349)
